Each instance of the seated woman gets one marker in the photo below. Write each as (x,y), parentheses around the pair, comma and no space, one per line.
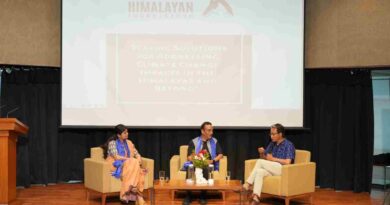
(126,165)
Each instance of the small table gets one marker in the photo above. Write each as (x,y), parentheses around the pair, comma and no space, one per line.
(219,185)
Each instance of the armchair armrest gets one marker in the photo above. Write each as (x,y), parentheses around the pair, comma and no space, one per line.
(174,166)
(249,165)
(223,167)
(298,178)
(149,165)
(96,175)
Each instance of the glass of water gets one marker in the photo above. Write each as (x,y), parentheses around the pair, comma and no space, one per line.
(228,174)
(161,176)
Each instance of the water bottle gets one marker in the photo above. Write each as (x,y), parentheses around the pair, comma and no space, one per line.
(190,174)
(211,174)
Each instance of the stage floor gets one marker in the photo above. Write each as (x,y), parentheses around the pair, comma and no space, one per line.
(66,194)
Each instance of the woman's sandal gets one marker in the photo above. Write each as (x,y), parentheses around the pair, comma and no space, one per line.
(140,201)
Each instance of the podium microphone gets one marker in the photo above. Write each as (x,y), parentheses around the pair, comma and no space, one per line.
(11,111)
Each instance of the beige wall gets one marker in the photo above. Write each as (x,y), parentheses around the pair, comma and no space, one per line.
(30,32)
(339,33)
(347,33)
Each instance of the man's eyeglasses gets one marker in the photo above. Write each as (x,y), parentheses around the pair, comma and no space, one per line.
(272,134)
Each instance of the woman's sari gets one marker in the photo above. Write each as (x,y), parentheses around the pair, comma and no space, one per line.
(129,171)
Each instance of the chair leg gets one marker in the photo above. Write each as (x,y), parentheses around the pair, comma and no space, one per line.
(173,195)
(287,201)
(311,199)
(104,196)
(87,195)
(151,195)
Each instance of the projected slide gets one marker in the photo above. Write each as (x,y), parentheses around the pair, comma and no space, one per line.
(178,63)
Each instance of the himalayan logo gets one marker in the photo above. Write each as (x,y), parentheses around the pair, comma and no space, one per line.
(215,3)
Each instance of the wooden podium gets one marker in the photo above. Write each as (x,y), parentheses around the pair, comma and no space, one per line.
(10,129)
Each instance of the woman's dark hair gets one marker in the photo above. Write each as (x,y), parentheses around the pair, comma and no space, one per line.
(119,129)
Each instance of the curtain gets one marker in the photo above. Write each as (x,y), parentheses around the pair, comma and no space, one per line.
(36,93)
(338,120)
(339,112)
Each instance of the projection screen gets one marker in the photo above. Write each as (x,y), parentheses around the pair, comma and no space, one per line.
(177,63)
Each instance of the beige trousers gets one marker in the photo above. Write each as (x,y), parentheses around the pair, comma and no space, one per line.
(262,169)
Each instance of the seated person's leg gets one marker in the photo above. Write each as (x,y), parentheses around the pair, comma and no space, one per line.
(249,182)
(206,173)
(203,193)
(258,183)
(203,199)
(187,198)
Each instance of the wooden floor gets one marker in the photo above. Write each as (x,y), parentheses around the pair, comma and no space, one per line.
(64,194)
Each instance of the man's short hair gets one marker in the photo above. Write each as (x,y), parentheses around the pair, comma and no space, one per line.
(204,124)
(279,128)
